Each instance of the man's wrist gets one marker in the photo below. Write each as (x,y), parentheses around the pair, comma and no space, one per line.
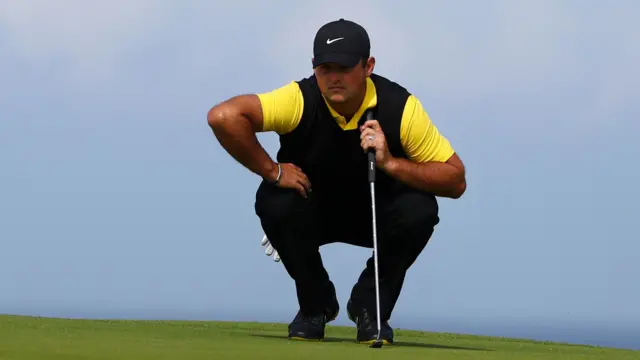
(275,174)
(390,166)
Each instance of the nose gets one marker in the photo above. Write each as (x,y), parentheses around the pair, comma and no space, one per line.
(334,75)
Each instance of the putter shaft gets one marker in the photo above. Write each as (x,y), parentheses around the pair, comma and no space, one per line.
(372,183)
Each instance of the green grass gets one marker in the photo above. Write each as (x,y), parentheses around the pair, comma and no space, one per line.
(31,338)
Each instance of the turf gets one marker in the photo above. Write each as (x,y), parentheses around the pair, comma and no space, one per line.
(31,338)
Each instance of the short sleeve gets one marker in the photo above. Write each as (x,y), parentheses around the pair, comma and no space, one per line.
(420,138)
(282,108)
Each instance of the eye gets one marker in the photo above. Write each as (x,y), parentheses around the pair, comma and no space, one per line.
(333,68)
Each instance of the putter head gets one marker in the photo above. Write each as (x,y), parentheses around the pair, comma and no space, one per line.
(376,344)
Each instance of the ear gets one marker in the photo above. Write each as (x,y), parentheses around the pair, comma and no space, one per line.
(370,65)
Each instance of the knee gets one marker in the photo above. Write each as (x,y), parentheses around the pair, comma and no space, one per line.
(273,205)
(414,211)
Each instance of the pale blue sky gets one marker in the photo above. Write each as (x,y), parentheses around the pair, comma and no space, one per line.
(117,201)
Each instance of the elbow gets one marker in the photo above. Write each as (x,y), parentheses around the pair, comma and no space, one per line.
(227,116)
(235,114)
(459,189)
(459,185)
(222,119)
(458,178)
(216,117)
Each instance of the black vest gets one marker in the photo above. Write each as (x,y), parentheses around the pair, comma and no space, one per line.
(332,157)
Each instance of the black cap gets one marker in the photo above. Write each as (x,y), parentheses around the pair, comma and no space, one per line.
(341,41)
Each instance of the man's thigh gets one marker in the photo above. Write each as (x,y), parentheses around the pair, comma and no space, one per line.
(323,220)
(280,205)
(356,232)
(284,211)
(399,217)
(406,212)
(340,219)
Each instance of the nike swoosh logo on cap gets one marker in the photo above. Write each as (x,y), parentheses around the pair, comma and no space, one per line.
(329,41)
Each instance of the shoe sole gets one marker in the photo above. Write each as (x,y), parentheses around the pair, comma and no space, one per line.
(366,342)
(369,342)
(297,338)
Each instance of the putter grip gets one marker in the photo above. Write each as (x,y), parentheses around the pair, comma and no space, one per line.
(371,154)
(372,165)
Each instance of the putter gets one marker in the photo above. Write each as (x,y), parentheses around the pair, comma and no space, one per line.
(372,182)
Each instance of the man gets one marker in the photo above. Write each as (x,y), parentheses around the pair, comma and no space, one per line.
(316,192)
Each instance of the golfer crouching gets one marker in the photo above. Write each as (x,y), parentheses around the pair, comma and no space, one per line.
(316,192)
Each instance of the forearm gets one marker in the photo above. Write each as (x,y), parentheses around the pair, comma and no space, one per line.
(441,179)
(238,138)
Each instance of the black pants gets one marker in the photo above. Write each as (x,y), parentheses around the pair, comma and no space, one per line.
(297,227)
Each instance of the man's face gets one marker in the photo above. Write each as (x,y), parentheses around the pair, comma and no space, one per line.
(339,84)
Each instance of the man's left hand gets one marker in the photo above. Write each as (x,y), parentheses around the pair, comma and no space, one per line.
(372,137)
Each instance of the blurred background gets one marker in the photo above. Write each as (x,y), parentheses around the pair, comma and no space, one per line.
(117,201)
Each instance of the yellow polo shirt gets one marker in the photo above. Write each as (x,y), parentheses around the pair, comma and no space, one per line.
(421,140)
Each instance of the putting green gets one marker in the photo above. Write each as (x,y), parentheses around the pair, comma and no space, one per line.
(34,338)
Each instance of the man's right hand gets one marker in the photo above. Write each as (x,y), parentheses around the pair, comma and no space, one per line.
(292,178)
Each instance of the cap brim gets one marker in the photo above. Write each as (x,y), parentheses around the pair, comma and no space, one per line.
(348,60)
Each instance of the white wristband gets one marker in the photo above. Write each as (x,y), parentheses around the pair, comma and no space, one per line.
(279,174)
(277,180)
